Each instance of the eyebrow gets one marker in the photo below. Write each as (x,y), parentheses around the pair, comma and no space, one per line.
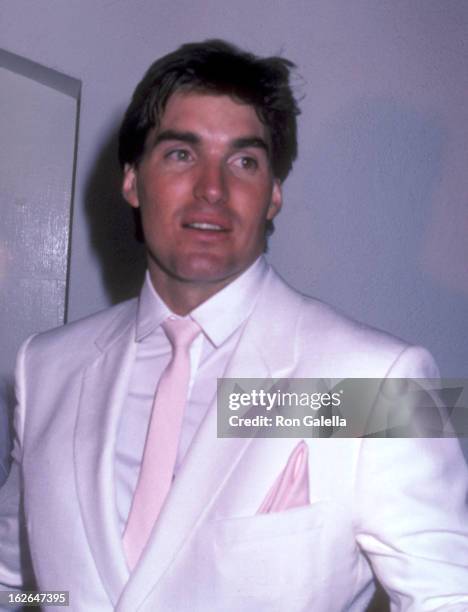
(188,137)
(250,141)
(193,139)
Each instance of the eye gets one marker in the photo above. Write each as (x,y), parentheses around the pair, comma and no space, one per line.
(246,162)
(179,155)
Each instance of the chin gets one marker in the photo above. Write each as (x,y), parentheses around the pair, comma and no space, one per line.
(208,269)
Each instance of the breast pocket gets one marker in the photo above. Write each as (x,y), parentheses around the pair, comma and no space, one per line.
(284,561)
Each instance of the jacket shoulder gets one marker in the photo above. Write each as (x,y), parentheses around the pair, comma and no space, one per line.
(332,341)
(339,328)
(82,336)
(360,350)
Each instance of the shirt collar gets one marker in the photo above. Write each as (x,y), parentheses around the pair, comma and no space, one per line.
(219,317)
(152,311)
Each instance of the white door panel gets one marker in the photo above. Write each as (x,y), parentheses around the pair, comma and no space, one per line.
(38,125)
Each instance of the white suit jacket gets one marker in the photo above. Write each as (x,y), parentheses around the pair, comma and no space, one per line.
(393,507)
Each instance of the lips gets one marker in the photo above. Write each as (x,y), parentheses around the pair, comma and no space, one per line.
(211,227)
(206,225)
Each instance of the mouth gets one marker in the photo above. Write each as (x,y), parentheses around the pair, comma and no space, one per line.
(205,227)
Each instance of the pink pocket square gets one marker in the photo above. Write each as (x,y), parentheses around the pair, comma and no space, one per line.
(291,488)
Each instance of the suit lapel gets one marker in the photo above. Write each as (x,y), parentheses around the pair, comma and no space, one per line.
(105,383)
(262,352)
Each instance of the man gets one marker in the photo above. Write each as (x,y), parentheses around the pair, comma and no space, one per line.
(208,139)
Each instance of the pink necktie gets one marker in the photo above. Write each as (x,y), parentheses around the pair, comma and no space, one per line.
(162,440)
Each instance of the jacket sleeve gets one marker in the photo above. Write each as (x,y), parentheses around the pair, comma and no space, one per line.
(412,513)
(15,568)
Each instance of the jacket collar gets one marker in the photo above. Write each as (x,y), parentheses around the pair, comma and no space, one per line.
(120,325)
(104,388)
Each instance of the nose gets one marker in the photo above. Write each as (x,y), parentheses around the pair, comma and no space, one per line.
(210,185)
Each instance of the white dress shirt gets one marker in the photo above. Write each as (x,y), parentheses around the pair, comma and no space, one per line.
(221,319)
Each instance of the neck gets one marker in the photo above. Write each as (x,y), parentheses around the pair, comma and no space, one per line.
(184,296)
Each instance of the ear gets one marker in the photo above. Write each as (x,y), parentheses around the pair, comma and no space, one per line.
(276,200)
(129,186)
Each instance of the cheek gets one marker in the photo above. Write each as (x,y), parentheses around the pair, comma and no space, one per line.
(159,203)
(251,201)
(256,211)
(163,189)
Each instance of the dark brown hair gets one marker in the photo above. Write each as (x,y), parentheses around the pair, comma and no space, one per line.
(221,68)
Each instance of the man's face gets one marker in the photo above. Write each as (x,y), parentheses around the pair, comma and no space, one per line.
(205,189)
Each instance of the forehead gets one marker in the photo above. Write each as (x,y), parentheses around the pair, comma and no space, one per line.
(213,115)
